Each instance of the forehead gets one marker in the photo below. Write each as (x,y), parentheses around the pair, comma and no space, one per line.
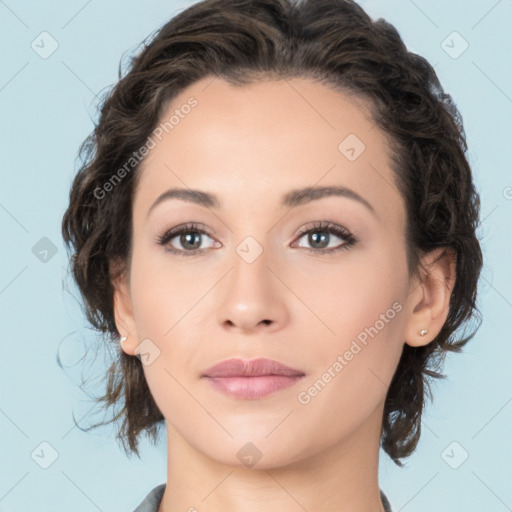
(263,139)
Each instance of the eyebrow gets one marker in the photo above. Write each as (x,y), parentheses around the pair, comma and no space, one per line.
(290,199)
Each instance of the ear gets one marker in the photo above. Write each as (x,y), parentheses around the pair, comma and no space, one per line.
(123,315)
(429,297)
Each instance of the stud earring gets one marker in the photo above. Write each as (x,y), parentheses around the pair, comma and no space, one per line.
(423,332)
(123,339)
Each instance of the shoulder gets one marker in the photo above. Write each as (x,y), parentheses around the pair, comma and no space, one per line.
(152,500)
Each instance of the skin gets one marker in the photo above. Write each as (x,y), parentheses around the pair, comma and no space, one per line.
(249,146)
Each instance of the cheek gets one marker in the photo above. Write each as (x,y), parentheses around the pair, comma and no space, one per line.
(167,312)
(161,295)
(164,313)
(352,369)
(362,306)
(350,293)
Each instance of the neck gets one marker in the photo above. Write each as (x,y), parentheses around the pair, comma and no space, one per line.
(342,477)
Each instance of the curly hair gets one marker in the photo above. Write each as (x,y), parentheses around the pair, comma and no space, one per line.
(242,41)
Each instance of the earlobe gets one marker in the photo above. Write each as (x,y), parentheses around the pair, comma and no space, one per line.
(123,315)
(429,303)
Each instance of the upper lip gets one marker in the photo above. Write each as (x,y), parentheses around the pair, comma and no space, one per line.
(251,368)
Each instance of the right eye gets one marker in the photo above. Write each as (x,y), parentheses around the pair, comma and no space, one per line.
(190,238)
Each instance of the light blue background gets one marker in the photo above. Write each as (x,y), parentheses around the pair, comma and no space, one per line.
(47,110)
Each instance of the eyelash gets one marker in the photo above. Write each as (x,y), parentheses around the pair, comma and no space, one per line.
(323,226)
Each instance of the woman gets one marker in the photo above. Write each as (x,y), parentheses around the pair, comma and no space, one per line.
(275,220)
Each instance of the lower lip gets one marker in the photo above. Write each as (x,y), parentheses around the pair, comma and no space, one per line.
(252,387)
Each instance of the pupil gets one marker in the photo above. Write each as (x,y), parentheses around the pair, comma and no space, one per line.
(313,238)
(186,238)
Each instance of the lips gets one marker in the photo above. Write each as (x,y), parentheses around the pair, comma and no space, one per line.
(251,379)
(253,368)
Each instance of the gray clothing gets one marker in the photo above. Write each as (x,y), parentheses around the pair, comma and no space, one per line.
(152,501)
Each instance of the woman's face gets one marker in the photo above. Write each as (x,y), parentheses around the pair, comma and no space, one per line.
(333,305)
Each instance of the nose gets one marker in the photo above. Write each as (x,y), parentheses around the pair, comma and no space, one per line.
(253,298)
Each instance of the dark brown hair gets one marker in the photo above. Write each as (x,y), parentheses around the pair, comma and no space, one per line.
(242,41)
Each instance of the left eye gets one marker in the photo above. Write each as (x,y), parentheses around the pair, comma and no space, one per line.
(319,237)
